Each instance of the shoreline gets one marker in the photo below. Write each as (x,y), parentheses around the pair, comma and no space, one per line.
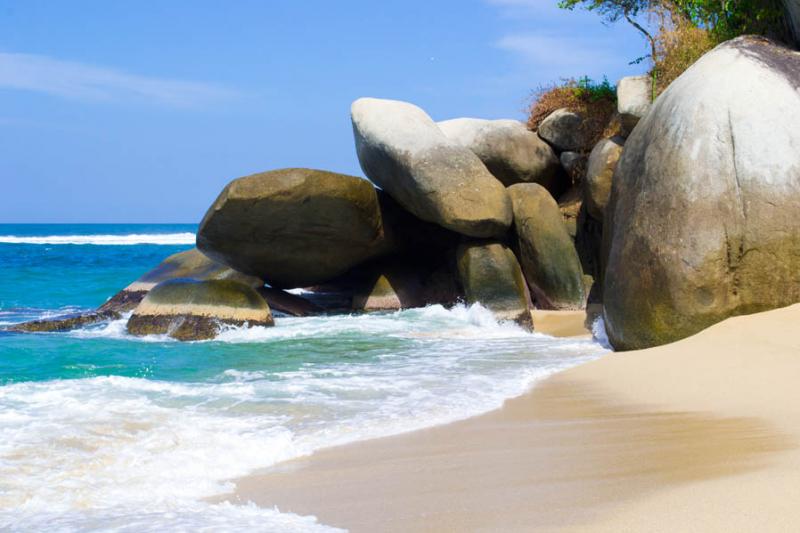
(697,435)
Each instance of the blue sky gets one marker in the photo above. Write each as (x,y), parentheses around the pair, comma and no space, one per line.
(141,111)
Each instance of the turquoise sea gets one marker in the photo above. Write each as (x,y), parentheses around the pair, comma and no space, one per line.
(100,431)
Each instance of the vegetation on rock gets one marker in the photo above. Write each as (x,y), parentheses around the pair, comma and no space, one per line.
(678,32)
(594,101)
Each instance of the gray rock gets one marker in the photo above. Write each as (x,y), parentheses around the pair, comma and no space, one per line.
(793,18)
(294,227)
(404,282)
(491,276)
(562,130)
(189,310)
(574,163)
(511,152)
(634,98)
(547,252)
(402,150)
(599,173)
(570,204)
(703,218)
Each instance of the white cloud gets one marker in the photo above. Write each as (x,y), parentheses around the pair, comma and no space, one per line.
(546,51)
(79,81)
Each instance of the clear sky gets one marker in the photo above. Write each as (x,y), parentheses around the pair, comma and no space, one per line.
(141,111)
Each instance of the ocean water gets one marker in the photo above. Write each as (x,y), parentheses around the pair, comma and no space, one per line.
(101,431)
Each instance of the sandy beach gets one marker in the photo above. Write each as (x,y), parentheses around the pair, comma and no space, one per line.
(699,435)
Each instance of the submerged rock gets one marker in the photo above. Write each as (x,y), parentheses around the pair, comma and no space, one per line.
(63,323)
(547,252)
(703,218)
(599,173)
(511,152)
(294,227)
(402,150)
(491,276)
(189,310)
(189,264)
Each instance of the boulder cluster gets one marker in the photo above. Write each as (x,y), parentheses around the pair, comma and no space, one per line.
(461,210)
(688,215)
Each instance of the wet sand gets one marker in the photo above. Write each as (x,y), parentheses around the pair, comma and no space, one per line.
(699,435)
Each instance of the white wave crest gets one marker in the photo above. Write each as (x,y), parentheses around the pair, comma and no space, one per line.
(599,333)
(136,454)
(103,240)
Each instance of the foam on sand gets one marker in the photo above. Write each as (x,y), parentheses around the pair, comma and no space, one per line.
(698,435)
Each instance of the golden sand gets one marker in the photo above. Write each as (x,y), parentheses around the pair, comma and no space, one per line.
(699,435)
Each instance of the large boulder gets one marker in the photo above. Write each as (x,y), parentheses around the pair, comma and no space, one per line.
(294,227)
(191,264)
(599,172)
(405,153)
(188,310)
(563,130)
(491,275)
(511,152)
(547,252)
(703,219)
(634,97)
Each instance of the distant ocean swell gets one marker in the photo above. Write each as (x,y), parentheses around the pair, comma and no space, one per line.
(102,240)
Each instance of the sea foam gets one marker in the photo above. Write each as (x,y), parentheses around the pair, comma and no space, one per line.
(130,454)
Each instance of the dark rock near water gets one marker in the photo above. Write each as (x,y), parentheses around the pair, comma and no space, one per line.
(404,282)
(703,219)
(63,323)
(288,303)
(294,227)
(547,252)
(588,243)
(511,152)
(188,310)
(491,276)
(189,264)
(405,153)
